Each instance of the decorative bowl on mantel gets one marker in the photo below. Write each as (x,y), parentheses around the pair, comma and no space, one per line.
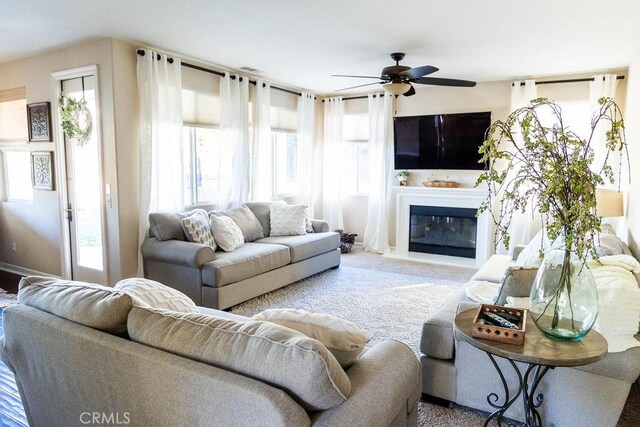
(441,184)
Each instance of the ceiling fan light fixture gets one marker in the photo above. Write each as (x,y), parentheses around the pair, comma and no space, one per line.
(396,88)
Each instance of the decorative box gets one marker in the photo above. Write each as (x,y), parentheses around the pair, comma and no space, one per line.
(482,328)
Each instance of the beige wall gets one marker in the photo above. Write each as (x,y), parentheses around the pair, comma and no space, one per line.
(127,126)
(488,96)
(35,228)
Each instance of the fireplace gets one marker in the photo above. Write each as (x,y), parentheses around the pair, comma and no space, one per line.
(443,230)
(460,206)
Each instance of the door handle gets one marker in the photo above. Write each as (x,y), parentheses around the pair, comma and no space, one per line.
(69,212)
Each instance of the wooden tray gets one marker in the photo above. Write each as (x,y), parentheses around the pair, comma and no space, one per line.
(443,184)
(498,333)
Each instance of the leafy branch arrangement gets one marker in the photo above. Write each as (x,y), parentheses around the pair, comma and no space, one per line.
(534,159)
(549,167)
(77,122)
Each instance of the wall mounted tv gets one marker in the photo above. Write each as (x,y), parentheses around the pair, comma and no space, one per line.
(441,141)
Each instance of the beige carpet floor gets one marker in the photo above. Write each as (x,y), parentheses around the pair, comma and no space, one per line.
(391,298)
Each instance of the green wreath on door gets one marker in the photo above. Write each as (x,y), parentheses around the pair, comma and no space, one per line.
(77,122)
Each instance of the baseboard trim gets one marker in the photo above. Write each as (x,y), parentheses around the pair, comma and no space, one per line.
(22,271)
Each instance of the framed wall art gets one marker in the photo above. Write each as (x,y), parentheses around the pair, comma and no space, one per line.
(39,119)
(42,170)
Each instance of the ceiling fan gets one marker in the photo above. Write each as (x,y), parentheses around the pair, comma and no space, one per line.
(397,79)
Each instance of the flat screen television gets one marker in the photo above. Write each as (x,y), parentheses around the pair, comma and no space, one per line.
(441,141)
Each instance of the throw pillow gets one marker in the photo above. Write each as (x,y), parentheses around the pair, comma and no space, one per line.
(342,338)
(288,220)
(167,226)
(196,227)
(246,220)
(308,223)
(530,255)
(282,357)
(226,233)
(99,307)
(157,295)
(516,282)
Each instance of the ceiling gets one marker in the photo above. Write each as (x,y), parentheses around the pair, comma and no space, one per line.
(302,42)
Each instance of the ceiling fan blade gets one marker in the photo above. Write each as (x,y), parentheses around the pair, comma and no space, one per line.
(444,82)
(417,72)
(359,77)
(410,92)
(353,87)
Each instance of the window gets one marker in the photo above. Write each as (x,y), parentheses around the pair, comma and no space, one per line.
(201,155)
(355,154)
(285,163)
(18,175)
(355,167)
(13,115)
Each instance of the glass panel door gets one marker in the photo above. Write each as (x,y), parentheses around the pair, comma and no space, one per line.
(84,188)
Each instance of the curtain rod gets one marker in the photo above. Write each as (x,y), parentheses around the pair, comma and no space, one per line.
(221,74)
(549,82)
(360,97)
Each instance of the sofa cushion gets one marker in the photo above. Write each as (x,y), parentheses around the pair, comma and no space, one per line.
(306,246)
(624,365)
(98,307)
(249,260)
(246,220)
(167,226)
(342,338)
(226,233)
(197,229)
(262,211)
(516,282)
(270,353)
(493,269)
(437,331)
(157,295)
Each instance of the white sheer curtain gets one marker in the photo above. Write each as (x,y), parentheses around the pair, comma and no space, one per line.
(161,174)
(262,153)
(332,163)
(234,141)
(376,234)
(522,92)
(305,133)
(603,85)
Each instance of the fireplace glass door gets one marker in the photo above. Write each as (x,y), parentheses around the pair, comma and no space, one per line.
(443,231)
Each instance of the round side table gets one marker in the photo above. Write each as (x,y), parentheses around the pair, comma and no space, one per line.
(539,352)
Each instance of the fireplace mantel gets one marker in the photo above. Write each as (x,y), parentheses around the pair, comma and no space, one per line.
(446,197)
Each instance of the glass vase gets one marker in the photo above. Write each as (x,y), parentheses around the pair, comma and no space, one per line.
(564,298)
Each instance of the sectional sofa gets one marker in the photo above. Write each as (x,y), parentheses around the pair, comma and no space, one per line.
(88,354)
(453,370)
(222,279)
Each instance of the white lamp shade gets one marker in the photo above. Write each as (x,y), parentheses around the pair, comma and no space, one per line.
(396,88)
(609,203)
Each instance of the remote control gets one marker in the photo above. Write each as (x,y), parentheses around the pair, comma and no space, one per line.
(498,321)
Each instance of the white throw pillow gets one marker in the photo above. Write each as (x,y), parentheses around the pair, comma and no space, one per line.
(197,229)
(342,338)
(157,295)
(226,233)
(530,255)
(288,220)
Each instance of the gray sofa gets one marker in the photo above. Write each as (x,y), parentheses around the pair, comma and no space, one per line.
(80,367)
(453,370)
(222,279)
